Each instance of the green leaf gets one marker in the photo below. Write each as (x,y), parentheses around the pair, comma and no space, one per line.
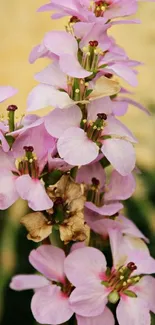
(88,92)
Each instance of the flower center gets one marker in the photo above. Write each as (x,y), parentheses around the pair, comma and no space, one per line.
(28,164)
(66,287)
(100,7)
(120,281)
(90,56)
(94,195)
(94,129)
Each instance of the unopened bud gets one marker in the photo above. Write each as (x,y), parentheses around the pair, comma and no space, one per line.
(113,297)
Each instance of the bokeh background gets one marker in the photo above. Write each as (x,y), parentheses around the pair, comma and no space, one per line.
(20,29)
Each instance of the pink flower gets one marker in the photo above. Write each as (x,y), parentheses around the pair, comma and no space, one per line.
(112,59)
(33,134)
(50,303)
(95,285)
(104,199)
(58,90)
(85,10)
(65,47)
(79,146)
(22,177)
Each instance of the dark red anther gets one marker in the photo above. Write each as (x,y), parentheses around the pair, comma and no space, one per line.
(28,148)
(102,116)
(74,19)
(95,181)
(93,43)
(99,3)
(108,75)
(58,201)
(31,149)
(132,266)
(12,108)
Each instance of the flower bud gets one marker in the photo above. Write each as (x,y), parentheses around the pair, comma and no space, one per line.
(113,297)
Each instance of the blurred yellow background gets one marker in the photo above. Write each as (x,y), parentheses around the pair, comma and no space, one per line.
(21,27)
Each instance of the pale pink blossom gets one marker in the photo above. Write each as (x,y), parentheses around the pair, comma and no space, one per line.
(21,169)
(6,92)
(50,302)
(88,11)
(86,268)
(105,199)
(78,147)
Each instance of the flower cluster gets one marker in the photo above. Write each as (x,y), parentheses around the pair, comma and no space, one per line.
(58,164)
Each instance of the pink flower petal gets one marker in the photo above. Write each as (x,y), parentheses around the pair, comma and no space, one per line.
(43,96)
(4,143)
(75,148)
(126,249)
(115,127)
(121,155)
(59,120)
(29,119)
(119,108)
(125,72)
(84,265)
(33,191)
(40,51)
(7,160)
(58,163)
(38,138)
(8,193)
(60,42)
(36,122)
(105,210)
(120,187)
(145,289)
(70,65)
(7,92)
(129,228)
(134,103)
(86,173)
(53,76)
(101,225)
(133,311)
(89,300)
(106,318)
(25,282)
(50,306)
(49,260)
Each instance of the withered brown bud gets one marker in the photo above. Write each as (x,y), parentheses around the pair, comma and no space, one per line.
(72,195)
(37,225)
